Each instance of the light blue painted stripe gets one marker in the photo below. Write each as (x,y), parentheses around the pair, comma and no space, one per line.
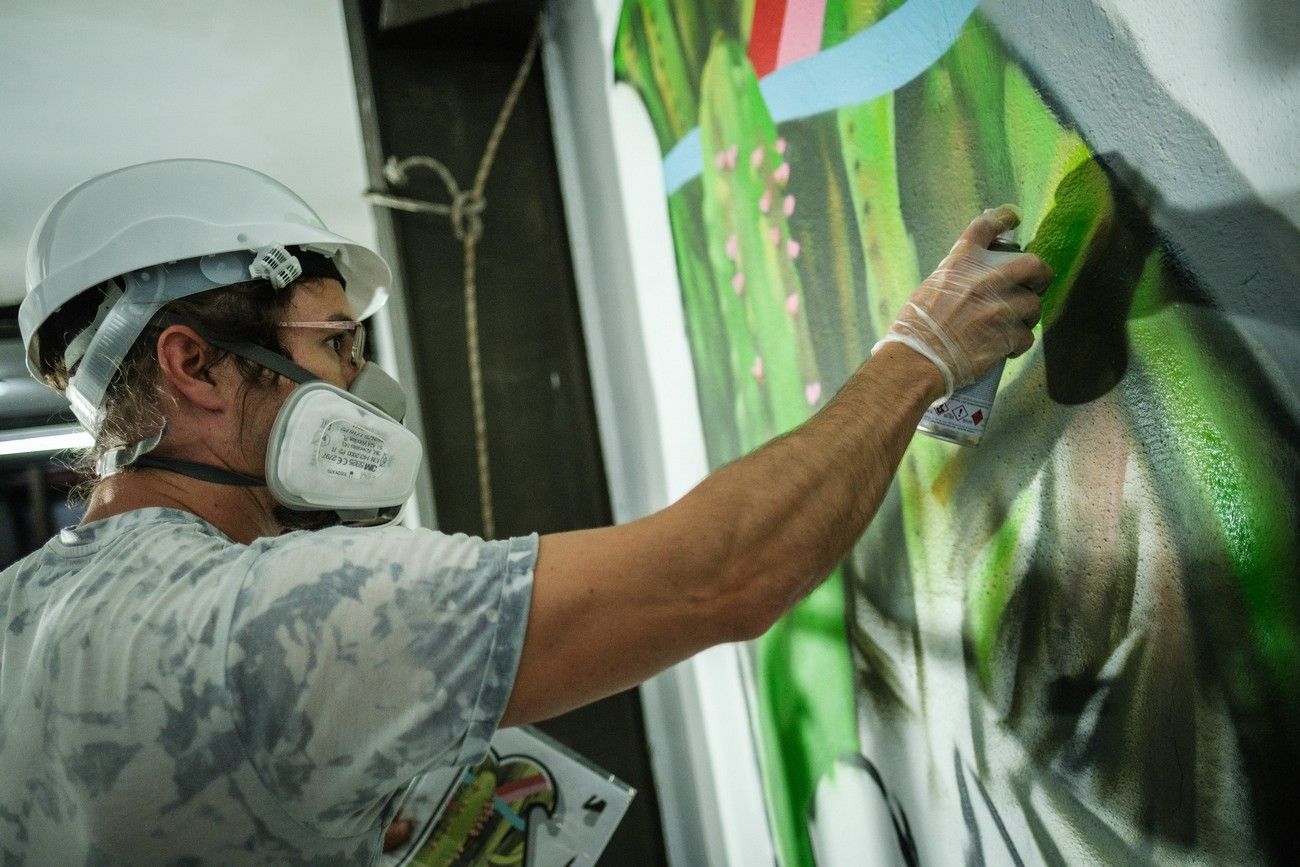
(878,60)
(683,162)
(510,815)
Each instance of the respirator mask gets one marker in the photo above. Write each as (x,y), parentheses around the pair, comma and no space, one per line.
(344,451)
(329,450)
(334,450)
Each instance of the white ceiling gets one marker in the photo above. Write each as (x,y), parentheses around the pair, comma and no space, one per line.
(91,85)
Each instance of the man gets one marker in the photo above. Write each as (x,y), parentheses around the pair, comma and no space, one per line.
(182,680)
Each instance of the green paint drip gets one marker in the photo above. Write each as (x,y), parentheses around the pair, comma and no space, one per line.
(843,19)
(650,57)
(976,63)
(1041,153)
(870,161)
(705,328)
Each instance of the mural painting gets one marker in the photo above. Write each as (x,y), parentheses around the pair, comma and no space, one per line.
(1077,642)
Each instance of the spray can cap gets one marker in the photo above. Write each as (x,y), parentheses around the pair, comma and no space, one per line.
(1005,243)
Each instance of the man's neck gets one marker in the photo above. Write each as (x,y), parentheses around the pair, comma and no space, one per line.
(243,514)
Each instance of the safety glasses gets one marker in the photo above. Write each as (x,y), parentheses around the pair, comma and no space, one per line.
(352,336)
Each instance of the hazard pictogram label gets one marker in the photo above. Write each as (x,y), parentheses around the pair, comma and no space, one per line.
(978,416)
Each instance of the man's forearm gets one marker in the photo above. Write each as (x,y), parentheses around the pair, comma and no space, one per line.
(613,606)
(790,511)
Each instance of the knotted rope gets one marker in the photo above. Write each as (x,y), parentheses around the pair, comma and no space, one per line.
(465,212)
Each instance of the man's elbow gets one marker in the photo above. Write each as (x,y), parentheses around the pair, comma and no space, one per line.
(749,604)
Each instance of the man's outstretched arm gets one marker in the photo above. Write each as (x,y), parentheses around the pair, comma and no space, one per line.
(613,606)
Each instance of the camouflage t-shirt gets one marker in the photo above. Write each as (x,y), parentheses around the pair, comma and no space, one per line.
(168,696)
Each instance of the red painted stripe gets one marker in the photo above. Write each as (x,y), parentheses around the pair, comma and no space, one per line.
(765,35)
(522,788)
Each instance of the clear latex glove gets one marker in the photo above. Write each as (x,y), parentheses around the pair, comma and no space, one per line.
(968,315)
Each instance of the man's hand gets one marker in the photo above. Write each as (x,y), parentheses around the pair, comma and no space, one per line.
(967,315)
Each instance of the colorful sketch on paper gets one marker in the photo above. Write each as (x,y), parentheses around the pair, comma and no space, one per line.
(530,802)
(1077,643)
(486,820)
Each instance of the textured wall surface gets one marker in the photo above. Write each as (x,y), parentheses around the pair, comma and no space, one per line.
(1078,641)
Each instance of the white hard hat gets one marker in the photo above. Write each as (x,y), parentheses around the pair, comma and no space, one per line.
(170,229)
(169,211)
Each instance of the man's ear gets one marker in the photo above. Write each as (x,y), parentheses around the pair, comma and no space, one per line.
(186,361)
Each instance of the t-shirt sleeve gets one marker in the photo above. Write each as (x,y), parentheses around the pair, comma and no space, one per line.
(358,659)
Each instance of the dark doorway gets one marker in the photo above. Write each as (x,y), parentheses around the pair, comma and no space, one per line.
(432,82)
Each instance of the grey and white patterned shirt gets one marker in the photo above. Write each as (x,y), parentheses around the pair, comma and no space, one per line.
(168,696)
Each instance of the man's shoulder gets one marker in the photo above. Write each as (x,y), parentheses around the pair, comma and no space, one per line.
(151,529)
(121,575)
(146,541)
(370,543)
(350,557)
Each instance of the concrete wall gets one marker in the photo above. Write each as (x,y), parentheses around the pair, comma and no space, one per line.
(1233,66)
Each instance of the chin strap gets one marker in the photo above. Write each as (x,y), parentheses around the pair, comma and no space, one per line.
(137,455)
(202,472)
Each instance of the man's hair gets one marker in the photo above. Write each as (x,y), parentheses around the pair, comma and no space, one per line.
(133,407)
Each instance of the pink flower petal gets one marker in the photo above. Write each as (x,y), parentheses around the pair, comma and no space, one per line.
(775,234)
(756,158)
(756,369)
(782,173)
(733,249)
(738,282)
(765,203)
(813,392)
(788,205)
(780,145)
(792,304)
(720,160)
(792,248)
(731,156)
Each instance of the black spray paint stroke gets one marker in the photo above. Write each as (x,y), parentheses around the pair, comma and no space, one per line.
(1245,253)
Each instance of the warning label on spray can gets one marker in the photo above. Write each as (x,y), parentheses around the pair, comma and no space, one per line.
(962,417)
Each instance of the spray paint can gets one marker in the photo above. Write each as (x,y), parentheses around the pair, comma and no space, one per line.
(964,415)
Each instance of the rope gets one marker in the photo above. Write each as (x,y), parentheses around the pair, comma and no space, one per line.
(465,212)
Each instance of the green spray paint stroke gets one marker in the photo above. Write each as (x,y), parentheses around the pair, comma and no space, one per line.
(777,384)
(1194,463)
